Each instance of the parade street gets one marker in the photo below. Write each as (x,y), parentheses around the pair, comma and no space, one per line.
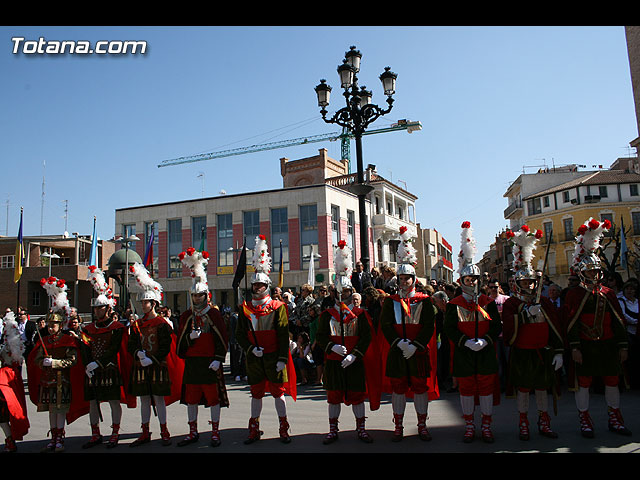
(309,424)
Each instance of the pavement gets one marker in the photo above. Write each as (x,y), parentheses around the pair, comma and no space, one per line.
(309,424)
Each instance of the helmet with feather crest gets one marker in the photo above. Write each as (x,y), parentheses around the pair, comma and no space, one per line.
(523,245)
(587,244)
(407,258)
(196,262)
(95,276)
(261,262)
(342,262)
(60,309)
(151,290)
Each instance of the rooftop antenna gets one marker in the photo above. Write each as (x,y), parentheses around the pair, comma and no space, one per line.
(66,214)
(201,176)
(7,228)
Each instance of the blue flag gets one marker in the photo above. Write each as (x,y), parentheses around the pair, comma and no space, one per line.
(93,255)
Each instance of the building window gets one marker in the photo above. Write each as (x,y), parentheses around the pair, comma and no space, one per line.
(607,216)
(534,207)
(568,229)
(603,191)
(199,233)
(174,233)
(633,189)
(129,231)
(400,212)
(35,298)
(225,240)
(635,220)
(547,226)
(377,202)
(412,213)
(565,197)
(351,229)
(380,256)
(308,234)
(148,226)
(280,232)
(251,229)
(7,261)
(545,202)
(335,225)
(393,250)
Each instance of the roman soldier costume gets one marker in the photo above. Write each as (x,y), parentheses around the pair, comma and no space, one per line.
(595,330)
(104,343)
(156,374)
(55,375)
(531,328)
(472,324)
(202,343)
(409,350)
(352,367)
(263,333)
(13,407)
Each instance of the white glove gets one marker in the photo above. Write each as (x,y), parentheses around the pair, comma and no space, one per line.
(534,310)
(257,351)
(280,366)
(482,343)
(141,354)
(215,365)
(145,362)
(409,350)
(558,361)
(47,361)
(194,334)
(339,349)
(90,368)
(348,360)
(402,345)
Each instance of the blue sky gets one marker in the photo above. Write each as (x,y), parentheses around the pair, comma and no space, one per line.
(491,100)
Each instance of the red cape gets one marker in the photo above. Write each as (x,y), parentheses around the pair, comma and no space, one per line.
(432,381)
(290,386)
(175,365)
(12,389)
(79,406)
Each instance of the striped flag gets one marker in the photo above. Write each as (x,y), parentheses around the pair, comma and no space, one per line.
(19,256)
(148,255)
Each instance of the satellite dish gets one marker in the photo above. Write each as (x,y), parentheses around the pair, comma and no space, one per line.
(223,192)
(65,235)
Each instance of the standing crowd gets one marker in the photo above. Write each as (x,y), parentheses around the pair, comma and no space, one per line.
(364,335)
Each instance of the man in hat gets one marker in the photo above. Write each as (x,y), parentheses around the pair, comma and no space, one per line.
(52,366)
(595,330)
(104,343)
(263,334)
(202,343)
(532,330)
(150,344)
(351,372)
(408,324)
(13,408)
(472,324)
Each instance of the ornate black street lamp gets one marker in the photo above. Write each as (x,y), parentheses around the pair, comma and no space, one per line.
(355,117)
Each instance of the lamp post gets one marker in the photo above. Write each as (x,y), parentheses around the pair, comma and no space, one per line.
(355,117)
(126,243)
